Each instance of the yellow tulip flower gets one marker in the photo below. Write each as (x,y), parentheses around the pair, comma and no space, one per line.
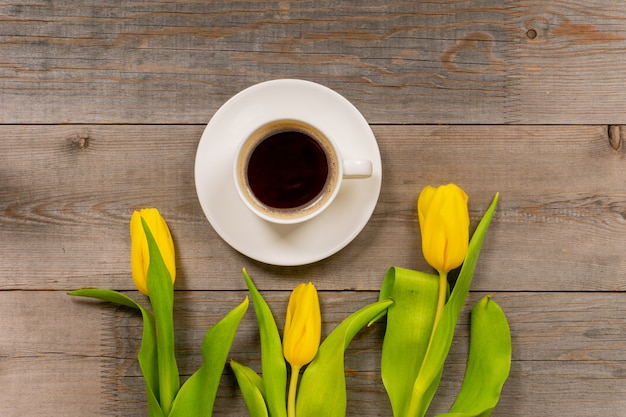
(139,254)
(302,326)
(301,339)
(444,225)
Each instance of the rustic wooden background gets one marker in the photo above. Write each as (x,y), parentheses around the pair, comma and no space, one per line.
(102,105)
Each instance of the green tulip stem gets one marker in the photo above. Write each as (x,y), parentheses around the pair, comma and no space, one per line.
(293,387)
(441,300)
(441,303)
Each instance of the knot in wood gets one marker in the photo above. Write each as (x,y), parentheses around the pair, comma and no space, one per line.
(80,141)
(615,136)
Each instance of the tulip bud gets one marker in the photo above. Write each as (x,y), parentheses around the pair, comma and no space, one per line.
(444,225)
(302,326)
(139,254)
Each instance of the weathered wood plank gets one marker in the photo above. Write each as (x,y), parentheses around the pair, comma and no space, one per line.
(450,61)
(102,106)
(561,55)
(76,357)
(67,192)
(47,367)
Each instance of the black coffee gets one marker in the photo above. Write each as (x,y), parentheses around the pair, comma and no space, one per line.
(287,170)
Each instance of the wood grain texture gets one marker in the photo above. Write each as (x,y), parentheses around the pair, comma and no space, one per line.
(569,355)
(102,105)
(487,61)
(67,193)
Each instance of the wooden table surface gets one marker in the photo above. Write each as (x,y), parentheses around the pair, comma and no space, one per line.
(102,105)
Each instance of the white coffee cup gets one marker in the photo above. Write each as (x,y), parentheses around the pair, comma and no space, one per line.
(287,171)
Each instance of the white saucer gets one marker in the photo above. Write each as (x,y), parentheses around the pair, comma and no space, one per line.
(297,244)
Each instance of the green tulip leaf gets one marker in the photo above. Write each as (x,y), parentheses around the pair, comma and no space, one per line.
(197,395)
(430,372)
(273,365)
(409,327)
(154,408)
(488,364)
(147,353)
(322,389)
(252,389)
(107,295)
(161,292)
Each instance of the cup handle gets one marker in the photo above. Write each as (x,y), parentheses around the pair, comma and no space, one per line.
(353,168)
